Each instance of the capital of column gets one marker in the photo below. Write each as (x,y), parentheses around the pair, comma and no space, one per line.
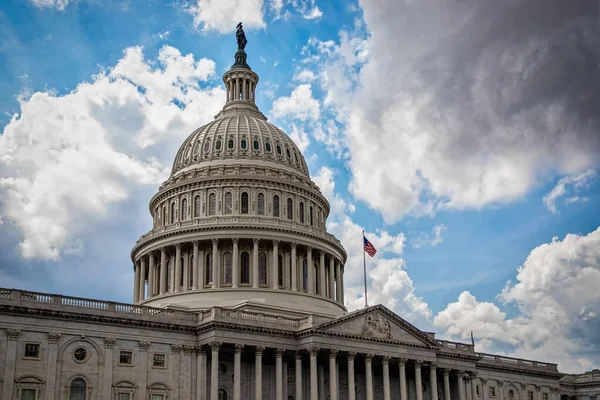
(433,365)
(53,337)
(143,346)
(313,351)
(500,383)
(538,388)
(109,342)
(333,353)
(214,241)
(200,350)
(351,356)
(187,350)
(178,246)
(446,371)
(483,381)
(175,348)
(369,357)
(235,240)
(402,362)
(385,360)
(460,373)
(238,348)
(418,363)
(259,350)
(279,353)
(255,241)
(214,345)
(294,245)
(275,243)
(473,374)
(195,242)
(309,249)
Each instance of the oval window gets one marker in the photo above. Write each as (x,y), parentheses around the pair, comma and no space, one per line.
(207,146)
(230,144)
(244,144)
(268,147)
(256,145)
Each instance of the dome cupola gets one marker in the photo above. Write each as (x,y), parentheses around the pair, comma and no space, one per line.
(239,223)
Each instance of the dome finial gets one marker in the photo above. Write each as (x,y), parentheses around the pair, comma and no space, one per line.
(240,54)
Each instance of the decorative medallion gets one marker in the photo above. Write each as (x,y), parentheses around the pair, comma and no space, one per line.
(80,354)
(377,326)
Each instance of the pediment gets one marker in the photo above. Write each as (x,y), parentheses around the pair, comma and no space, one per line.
(377,323)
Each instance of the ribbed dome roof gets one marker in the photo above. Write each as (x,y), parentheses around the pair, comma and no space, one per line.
(239,137)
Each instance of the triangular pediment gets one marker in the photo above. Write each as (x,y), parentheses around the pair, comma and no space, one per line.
(377,322)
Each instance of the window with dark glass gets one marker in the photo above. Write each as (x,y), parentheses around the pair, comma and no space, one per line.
(310,215)
(80,354)
(301,212)
(207,146)
(228,201)
(304,275)
(159,360)
(256,145)
(276,206)
(492,391)
(230,144)
(227,268)
(28,394)
(278,148)
(209,268)
(280,270)
(184,207)
(218,145)
(196,149)
(77,389)
(197,206)
(125,357)
(165,216)
(287,153)
(245,268)
(268,147)
(290,209)
(173,212)
(244,203)
(212,204)
(262,268)
(260,201)
(244,144)
(296,156)
(530,395)
(32,350)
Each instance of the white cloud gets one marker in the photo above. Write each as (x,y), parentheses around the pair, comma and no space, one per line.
(224,15)
(68,159)
(58,4)
(575,183)
(430,239)
(305,76)
(300,105)
(308,9)
(163,35)
(557,297)
(299,137)
(466,117)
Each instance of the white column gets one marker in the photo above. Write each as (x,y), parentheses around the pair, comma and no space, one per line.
(201,269)
(195,275)
(333,392)
(338,281)
(237,88)
(175,369)
(275,274)
(322,273)
(235,277)
(321,377)
(237,372)
(186,271)
(285,380)
(294,273)
(163,270)
(216,269)
(433,380)
(172,274)
(314,385)
(200,373)
(402,369)
(151,274)
(53,339)
(298,372)
(461,385)
(244,93)
(474,385)
(331,277)
(255,263)
(258,373)
(351,384)
(369,375)
(177,267)
(214,370)
(418,383)
(311,271)
(342,281)
(279,374)
(447,384)
(484,395)
(142,292)
(385,361)
(136,282)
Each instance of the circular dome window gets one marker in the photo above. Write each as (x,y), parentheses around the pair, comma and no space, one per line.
(80,354)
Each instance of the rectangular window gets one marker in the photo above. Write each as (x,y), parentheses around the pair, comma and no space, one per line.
(492,391)
(124,396)
(530,395)
(27,394)
(545,396)
(126,357)
(477,390)
(159,360)
(32,350)
(157,397)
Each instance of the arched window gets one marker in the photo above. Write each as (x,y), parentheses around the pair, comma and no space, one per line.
(268,147)
(77,389)
(227,268)
(287,153)
(223,394)
(262,268)
(173,212)
(260,201)
(244,203)
(304,275)
(228,207)
(301,212)
(280,270)
(165,215)
(218,145)
(212,204)
(197,206)
(209,268)
(244,144)
(290,209)
(184,209)
(245,268)
(168,266)
(230,144)
(276,206)
(256,145)
(207,146)
(310,215)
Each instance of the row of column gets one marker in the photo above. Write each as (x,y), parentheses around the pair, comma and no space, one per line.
(240,89)
(330,277)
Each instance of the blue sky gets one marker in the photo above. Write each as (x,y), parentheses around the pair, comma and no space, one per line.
(465,146)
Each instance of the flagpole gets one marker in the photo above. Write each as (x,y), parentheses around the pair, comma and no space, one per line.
(365,270)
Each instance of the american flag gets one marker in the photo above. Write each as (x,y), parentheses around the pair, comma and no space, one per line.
(369,247)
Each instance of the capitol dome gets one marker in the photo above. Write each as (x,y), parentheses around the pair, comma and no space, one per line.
(239,223)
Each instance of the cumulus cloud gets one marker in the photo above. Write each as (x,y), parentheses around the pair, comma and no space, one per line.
(224,15)
(466,114)
(574,183)
(558,302)
(58,4)
(432,238)
(387,279)
(305,75)
(69,158)
(300,105)
(308,9)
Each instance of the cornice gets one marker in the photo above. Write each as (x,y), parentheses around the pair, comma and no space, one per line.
(316,332)
(458,356)
(521,371)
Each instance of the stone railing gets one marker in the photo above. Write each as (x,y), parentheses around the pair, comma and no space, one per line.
(516,362)
(245,317)
(449,345)
(56,302)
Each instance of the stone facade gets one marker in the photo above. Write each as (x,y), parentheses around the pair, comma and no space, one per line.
(239,294)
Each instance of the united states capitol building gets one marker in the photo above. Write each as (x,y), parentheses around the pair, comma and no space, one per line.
(239,294)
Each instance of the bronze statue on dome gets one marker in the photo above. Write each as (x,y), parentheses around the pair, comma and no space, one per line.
(240,36)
